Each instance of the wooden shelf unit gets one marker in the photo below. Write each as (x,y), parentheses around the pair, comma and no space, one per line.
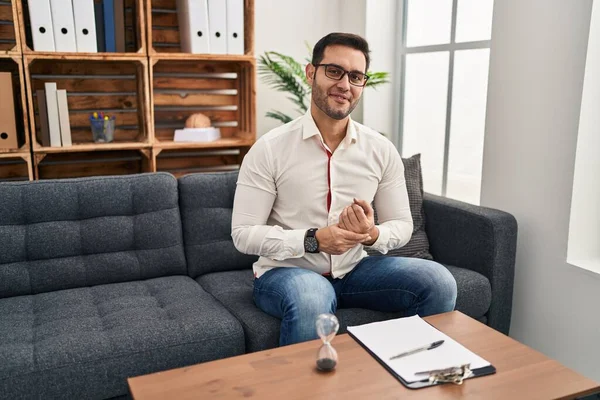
(16,167)
(151,89)
(115,85)
(135,30)
(10,39)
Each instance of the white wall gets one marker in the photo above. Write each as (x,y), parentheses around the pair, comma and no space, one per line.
(380,106)
(284,26)
(584,235)
(537,67)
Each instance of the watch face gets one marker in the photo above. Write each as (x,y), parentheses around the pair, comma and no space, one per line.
(310,244)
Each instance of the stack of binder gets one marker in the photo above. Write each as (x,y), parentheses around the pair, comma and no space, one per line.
(55,127)
(77,25)
(211,26)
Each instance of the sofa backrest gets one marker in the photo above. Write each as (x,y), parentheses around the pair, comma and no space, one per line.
(206,203)
(68,233)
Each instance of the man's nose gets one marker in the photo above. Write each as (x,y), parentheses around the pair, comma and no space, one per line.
(344,83)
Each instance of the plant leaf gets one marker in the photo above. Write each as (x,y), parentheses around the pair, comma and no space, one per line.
(278,115)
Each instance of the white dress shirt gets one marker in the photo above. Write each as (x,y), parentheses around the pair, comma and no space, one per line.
(287,179)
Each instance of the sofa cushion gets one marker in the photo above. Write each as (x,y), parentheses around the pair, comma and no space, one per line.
(234,290)
(68,233)
(206,203)
(85,342)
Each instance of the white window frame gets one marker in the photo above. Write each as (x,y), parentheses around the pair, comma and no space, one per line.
(451,47)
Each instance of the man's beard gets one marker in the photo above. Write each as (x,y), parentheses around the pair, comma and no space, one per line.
(321,100)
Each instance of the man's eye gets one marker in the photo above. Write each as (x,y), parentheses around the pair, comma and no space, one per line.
(334,71)
(355,78)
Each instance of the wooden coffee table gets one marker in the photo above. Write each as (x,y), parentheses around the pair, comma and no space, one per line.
(289,373)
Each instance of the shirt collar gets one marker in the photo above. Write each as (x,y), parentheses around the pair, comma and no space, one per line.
(310,129)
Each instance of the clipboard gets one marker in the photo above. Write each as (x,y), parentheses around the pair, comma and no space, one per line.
(425,382)
(407,338)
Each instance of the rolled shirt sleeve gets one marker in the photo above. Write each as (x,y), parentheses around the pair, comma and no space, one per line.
(395,222)
(254,197)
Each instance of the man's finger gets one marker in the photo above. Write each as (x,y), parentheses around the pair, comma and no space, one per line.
(354,237)
(352,217)
(364,205)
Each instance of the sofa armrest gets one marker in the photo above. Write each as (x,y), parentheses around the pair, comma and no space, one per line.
(480,239)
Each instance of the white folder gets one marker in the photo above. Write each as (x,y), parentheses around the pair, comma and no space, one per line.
(217,23)
(193,26)
(63,117)
(41,25)
(53,119)
(85,26)
(235,26)
(63,25)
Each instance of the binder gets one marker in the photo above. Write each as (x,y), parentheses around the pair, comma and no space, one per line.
(85,26)
(119,16)
(43,118)
(8,123)
(193,26)
(63,117)
(63,25)
(109,25)
(42,31)
(53,120)
(99,19)
(217,24)
(377,338)
(235,26)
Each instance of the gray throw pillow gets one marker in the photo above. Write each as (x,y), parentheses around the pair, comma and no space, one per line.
(418,245)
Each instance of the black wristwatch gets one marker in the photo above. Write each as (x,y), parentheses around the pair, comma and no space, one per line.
(311,244)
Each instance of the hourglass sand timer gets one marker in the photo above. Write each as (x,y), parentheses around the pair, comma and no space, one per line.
(327,327)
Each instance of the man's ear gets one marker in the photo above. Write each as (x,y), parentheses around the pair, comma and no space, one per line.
(310,73)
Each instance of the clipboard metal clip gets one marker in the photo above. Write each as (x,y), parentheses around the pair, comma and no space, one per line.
(454,375)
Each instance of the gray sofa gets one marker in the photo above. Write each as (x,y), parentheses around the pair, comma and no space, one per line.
(110,277)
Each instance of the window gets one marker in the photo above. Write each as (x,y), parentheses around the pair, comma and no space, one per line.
(444,64)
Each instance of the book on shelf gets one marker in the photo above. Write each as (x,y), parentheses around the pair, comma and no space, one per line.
(53,111)
(63,117)
(43,118)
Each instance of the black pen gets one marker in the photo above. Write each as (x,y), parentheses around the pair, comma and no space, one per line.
(418,349)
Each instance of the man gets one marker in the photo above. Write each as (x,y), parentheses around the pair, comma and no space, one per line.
(303,205)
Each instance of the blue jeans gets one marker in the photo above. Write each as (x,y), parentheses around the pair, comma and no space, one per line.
(391,284)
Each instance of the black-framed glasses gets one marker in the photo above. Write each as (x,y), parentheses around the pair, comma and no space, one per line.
(337,73)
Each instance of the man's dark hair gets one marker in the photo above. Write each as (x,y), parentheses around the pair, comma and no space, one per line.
(343,39)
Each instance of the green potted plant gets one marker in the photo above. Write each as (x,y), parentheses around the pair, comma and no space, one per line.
(283,73)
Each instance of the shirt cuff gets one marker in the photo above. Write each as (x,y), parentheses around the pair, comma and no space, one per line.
(295,242)
(384,237)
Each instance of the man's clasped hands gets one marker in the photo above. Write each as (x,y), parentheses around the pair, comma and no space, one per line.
(356,225)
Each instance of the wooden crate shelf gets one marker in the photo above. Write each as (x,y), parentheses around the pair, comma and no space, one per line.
(135,30)
(163,27)
(222,90)
(16,167)
(117,87)
(14,65)
(10,39)
(180,162)
(151,88)
(74,165)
